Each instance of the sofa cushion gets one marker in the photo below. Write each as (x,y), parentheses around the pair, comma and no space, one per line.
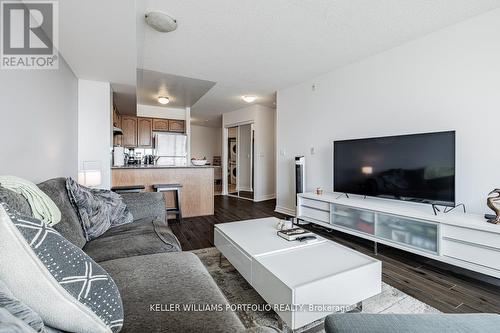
(412,323)
(69,226)
(169,278)
(141,237)
(15,201)
(145,204)
(19,310)
(55,278)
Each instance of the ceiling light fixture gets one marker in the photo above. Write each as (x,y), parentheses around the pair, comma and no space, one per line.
(163,100)
(249,99)
(161,22)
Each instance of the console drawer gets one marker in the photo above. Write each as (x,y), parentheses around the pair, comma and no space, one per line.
(472,236)
(479,255)
(314,204)
(317,214)
(355,219)
(236,257)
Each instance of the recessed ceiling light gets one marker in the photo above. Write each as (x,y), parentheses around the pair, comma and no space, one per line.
(163,100)
(249,99)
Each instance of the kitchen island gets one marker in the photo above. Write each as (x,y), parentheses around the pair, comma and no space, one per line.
(197,184)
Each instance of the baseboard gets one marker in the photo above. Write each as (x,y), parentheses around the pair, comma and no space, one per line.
(247,189)
(284,210)
(265,197)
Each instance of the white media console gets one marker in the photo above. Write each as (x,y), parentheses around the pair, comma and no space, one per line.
(464,240)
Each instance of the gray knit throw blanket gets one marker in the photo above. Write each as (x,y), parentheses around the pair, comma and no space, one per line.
(99,210)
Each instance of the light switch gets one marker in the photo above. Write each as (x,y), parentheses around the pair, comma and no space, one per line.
(312,151)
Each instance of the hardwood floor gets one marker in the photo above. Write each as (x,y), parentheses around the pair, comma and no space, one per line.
(198,232)
(442,286)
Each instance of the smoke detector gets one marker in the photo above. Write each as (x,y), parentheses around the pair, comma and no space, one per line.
(161,22)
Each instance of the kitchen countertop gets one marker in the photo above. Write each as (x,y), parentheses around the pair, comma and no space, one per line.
(148,166)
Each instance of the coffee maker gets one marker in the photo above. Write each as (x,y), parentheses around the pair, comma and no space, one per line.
(149,159)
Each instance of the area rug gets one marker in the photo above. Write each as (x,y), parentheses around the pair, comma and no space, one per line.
(238,291)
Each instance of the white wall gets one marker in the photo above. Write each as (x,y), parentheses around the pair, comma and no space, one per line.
(160,112)
(38,123)
(448,80)
(94,126)
(264,154)
(205,142)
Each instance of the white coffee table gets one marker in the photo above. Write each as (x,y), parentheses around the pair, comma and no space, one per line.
(320,272)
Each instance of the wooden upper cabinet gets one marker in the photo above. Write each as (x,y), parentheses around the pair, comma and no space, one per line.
(117,122)
(138,131)
(160,125)
(144,132)
(129,128)
(176,126)
(116,117)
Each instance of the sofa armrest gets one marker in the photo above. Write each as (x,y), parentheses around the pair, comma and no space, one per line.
(145,204)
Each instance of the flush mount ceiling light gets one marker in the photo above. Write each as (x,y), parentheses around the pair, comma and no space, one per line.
(161,22)
(163,100)
(249,99)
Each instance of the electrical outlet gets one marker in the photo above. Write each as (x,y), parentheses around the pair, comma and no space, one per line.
(283,152)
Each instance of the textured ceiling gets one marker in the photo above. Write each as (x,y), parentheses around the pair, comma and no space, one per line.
(260,46)
(97,39)
(245,46)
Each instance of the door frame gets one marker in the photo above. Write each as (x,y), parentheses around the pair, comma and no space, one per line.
(225,156)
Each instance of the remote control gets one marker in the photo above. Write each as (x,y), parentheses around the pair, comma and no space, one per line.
(304,238)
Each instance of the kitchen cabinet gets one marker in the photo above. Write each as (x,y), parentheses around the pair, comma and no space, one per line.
(160,125)
(138,131)
(144,132)
(116,117)
(176,126)
(117,122)
(129,128)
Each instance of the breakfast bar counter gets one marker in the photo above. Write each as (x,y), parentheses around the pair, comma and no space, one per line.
(197,184)
(154,166)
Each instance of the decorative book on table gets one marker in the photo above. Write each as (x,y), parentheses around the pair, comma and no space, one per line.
(294,233)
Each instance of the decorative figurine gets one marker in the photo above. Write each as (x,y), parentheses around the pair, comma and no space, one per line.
(494,204)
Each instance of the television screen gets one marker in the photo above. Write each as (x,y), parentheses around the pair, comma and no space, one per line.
(418,167)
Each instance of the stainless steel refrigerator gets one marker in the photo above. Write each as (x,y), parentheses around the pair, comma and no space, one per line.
(170,149)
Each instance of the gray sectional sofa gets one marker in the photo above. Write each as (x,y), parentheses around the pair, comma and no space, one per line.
(146,262)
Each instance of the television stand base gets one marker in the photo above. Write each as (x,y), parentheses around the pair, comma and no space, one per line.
(347,196)
(343,194)
(447,209)
(299,222)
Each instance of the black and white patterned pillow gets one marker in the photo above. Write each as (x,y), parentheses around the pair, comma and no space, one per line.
(55,278)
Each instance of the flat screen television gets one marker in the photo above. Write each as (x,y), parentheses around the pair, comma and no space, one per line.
(417,167)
